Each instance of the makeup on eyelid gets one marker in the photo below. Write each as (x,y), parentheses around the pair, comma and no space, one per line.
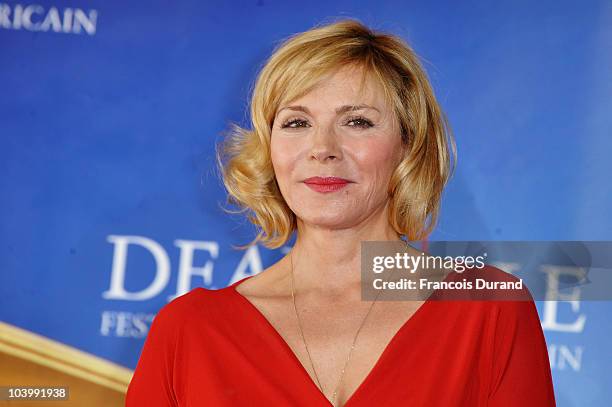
(366,122)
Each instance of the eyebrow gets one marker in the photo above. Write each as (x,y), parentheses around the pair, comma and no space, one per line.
(340,110)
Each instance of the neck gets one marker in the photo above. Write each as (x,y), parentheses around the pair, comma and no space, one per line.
(328,260)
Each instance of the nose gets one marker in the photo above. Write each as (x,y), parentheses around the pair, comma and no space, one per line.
(325,145)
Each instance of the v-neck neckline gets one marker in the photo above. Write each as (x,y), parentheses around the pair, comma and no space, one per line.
(287,349)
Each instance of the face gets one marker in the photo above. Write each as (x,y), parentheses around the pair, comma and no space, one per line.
(333,131)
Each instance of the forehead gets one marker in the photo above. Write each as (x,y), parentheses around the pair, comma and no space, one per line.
(347,86)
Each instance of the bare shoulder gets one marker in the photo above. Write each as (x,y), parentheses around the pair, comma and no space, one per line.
(267,284)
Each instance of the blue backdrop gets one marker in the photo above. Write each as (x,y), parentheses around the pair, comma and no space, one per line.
(109,112)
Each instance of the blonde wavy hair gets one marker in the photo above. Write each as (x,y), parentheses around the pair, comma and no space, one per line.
(293,69)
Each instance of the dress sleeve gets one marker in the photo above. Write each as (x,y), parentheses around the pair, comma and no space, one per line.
(152,382)
(521,370)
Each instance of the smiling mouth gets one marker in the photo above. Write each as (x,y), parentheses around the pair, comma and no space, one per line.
(326,184)
(326,180)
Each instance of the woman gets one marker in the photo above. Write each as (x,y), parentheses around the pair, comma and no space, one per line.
(348,145)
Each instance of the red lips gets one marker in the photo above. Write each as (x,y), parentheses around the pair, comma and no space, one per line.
(326,180)
(326,184)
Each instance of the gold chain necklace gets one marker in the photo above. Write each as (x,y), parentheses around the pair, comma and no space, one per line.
(304,339)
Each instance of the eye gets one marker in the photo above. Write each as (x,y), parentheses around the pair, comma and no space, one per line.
(293,123)
(361,121)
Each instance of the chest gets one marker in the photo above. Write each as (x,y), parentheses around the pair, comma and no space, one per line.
(401,357)
(338,345)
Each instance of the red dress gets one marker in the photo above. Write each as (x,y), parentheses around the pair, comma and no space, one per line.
(215,348)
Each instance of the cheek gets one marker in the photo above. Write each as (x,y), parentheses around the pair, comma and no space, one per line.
(283,158)
(377,157)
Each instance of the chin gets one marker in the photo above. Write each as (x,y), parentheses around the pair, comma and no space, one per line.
(335,218)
